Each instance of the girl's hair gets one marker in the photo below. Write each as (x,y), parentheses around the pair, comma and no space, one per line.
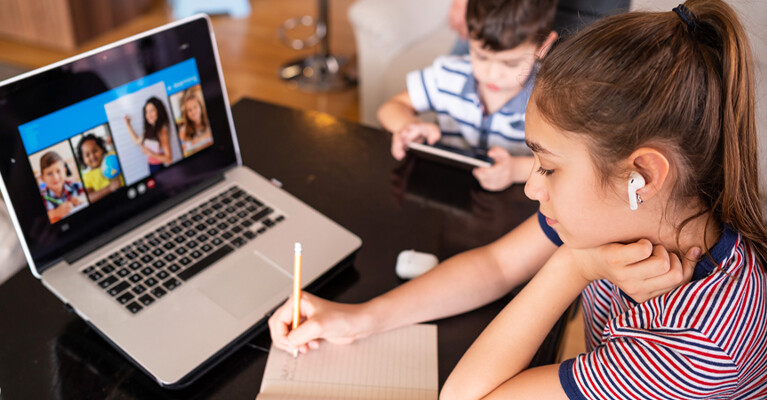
(151,131)
(505,24)
(679,81)
(99,142)
(192,128)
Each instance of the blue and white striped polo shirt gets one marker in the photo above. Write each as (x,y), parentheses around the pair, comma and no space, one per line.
(448,88)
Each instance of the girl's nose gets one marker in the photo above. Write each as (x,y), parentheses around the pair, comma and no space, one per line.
(534,188)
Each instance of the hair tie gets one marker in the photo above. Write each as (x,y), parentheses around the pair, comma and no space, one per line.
(687,16)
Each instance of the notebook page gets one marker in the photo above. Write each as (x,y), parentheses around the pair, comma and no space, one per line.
(395,365)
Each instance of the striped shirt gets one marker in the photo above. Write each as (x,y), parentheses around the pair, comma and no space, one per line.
(703,340)
(448,88)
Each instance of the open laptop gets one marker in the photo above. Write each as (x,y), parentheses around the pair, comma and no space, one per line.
(123,177)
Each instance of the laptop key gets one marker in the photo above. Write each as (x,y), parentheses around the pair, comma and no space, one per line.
(279,218)
(108,281)
(150,282)
(171,283)
(135,278)
(107,269)
(138,289)
(123,272)
(249,234)
(147,271)
(158,292)
(146,299)
(88,270)
(261,214)
(205,262)
(162,275)
(134,265)
(134,307)
(125,297)
(174,268)
(118,288)
(95,276)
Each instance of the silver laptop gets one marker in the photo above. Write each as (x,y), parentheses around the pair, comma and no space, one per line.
(123,177)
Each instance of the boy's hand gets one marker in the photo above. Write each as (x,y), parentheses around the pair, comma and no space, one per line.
(505,170)
(320,319)
(413,132)
(75,201)
(642,270)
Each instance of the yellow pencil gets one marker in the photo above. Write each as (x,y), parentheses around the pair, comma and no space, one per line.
(296,288)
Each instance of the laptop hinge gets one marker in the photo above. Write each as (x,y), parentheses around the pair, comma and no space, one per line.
(113,233)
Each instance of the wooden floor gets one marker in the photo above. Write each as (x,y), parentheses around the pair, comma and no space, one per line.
(251,53)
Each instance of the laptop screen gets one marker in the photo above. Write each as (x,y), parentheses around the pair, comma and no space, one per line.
(91,143)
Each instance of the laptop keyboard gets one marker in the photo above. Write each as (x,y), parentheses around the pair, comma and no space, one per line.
(144,271)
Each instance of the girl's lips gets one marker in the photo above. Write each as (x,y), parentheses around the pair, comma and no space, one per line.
(493,88)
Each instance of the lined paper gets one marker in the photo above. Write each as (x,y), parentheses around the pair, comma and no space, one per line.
(395,365)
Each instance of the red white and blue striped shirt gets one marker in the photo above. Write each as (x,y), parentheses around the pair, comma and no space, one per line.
(703,340)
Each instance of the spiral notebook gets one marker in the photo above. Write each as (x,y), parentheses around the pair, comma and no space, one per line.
(395,365)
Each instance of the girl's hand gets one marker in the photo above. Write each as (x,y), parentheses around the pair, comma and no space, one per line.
(320,319)
(642,270)
(413,132)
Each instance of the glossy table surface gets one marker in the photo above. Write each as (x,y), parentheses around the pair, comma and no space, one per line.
(342,169)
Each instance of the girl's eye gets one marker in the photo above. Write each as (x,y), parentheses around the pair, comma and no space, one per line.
(544,172)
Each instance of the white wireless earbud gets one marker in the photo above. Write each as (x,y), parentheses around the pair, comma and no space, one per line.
(636,182)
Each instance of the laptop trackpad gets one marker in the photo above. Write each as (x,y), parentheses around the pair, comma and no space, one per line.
(243,282)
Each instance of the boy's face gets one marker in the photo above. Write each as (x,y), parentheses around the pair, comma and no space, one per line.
(502,72)
(54,176)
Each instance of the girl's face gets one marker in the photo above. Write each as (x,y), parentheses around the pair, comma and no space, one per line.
(502,72)
(93,154)
(193,111)
(54,176)
(150,113)
(566,183)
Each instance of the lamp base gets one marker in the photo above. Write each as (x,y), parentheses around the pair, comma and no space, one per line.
(317,73)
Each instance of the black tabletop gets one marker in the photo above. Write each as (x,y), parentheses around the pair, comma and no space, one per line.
(342,169)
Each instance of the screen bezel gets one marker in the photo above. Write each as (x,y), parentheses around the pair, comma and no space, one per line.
(23,99)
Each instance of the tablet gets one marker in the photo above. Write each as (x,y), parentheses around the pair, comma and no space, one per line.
(462,158)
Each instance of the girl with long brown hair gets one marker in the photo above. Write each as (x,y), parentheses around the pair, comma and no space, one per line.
(668,97)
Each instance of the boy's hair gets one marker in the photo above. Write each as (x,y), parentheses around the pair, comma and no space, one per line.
(505,24)
(49,159)
(682,83)
(99,142)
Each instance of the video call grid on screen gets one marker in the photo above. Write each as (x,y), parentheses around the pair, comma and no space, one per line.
(110,113)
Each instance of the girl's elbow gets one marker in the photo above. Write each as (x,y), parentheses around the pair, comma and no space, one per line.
(453,392)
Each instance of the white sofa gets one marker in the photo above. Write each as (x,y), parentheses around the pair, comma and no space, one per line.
(395,37)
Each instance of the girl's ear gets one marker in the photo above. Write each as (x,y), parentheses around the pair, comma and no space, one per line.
(653,166)
(544,48)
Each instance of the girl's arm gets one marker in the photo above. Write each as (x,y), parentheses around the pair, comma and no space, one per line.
(461,283)
(136,138)
(166,157)
(493,365)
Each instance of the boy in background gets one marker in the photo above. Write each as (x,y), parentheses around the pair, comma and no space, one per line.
(479,99)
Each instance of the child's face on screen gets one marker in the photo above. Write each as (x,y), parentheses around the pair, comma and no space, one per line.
(193,111)
(502,72)
(566,183)
(93,154)
(54,176)
(150,112)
